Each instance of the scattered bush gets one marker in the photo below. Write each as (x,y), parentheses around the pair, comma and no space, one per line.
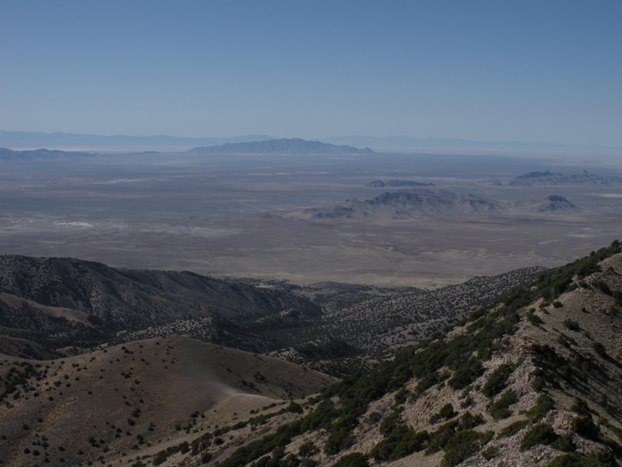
(308,449)
(513,428)
(294,407)
(534,319)
(467,373)
(541,433)
(581,407)
(338,440)
(462,445)
(564,443)
(490,453)
(400,443)
(585,427)
(576,459)
(468,420)
(497,380)
(572,325)
(544,405)
(500,408)
(356,459)
(445,413)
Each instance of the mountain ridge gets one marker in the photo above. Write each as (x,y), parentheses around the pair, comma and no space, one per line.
(295,146)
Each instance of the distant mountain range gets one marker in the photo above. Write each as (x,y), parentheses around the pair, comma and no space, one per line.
(402,142)
(93,142)
(294,146)
(555,204)
(281,146)
(405,204)
(397,183)
(9,154)
(547,177)
(27,139)
(414,203)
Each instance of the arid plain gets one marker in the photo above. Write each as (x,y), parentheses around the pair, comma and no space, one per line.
(257,215)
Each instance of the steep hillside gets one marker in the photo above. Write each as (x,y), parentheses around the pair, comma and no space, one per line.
(533,380)
(64,301)
(68,306)
(124,399)
(384,319)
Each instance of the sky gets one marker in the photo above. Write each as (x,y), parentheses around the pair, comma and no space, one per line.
(498,70)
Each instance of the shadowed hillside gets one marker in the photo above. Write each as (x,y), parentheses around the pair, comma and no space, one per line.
(63,301)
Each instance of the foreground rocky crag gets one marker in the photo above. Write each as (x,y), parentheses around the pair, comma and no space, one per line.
(531,381)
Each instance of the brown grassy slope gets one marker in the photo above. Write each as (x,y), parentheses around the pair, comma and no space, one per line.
(108,401)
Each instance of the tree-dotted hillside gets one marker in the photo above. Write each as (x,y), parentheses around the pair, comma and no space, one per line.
(533,380)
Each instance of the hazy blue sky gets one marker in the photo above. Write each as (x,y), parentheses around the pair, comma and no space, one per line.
(523,70)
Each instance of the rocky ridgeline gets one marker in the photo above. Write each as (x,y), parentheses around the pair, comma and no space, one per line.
(532,380)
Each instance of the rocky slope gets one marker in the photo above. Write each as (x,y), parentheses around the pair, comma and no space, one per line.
(533,380)
(62,301)
(70,306)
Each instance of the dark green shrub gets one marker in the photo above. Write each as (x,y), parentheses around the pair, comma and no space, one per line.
(391,421)
(338,440)
(401,396)
(581,407)
(585,427)
(490,453)
(497,380)
(564,443)
(462,445)
(468,373)
(468,420)
(307,449)
(572,325)
(576,459)
(445,413)
(402,442)
(356,459)
(537,384)
(500,408)
(602,351)
(544,405)
(294,407)
(513,428)
(440,437)
(541,433)
(534,319)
